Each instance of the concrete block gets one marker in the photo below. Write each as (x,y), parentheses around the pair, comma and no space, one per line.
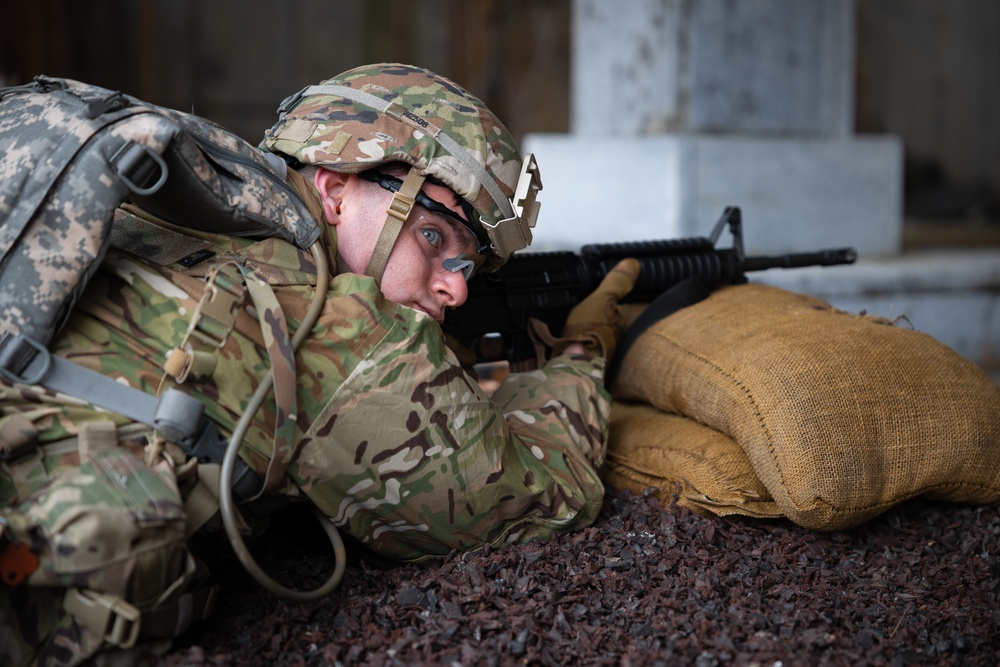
(796,195)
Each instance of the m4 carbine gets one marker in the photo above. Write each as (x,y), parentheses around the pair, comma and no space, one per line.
(493,323)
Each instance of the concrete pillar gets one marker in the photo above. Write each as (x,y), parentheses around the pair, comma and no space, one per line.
(756,67)
(681,108)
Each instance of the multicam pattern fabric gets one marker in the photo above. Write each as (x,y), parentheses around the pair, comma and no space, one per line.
(344,135)
(395,441)
(111,524)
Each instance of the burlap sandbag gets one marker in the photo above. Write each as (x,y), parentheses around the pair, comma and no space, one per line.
(841,416)
(683,462)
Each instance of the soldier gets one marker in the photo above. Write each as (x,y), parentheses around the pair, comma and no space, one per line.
(386,434)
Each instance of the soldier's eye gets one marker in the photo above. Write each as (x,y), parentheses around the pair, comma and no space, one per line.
(432,235)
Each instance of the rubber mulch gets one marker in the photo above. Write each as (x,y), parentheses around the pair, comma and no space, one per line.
(645,585)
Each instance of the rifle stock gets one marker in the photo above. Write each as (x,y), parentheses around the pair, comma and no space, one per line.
(546,285)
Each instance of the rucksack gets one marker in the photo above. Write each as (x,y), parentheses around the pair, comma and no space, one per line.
(70,153)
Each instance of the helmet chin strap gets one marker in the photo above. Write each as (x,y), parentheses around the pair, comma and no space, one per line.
(397,213)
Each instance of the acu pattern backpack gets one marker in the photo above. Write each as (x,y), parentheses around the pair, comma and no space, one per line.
(70,155)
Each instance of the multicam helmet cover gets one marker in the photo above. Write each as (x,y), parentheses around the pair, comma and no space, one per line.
(384,113)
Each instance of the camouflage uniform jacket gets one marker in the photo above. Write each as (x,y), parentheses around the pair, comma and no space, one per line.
(393,439)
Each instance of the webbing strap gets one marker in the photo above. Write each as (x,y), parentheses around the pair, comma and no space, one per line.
(120,623)
(397,213)
(174,619)
(107,616)
(177,415)
(281,352)
(22,360)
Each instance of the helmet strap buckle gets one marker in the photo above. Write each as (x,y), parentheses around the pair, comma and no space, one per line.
(397,213)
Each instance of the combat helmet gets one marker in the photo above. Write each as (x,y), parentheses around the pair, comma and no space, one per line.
(388,112)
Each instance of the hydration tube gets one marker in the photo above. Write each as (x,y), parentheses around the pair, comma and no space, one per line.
(226,507)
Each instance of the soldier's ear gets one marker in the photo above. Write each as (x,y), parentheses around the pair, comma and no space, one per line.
(330,185)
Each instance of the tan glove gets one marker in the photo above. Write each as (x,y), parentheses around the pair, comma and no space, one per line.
(596,322)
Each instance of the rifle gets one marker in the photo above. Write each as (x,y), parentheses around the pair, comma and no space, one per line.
(493,323)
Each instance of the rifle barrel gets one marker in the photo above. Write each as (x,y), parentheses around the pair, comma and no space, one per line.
(829,257)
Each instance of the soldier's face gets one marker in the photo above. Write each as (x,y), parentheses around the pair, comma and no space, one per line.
(414,275)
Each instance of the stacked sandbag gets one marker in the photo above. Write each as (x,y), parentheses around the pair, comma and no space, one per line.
(839,417)
(684,462)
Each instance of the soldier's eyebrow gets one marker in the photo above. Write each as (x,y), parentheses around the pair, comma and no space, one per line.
(461,232)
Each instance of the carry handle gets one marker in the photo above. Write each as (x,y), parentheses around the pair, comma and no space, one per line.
(136,165)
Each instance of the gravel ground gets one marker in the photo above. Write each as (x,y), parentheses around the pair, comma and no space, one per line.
(645,585)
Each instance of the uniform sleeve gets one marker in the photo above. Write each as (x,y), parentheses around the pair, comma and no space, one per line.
(409,455)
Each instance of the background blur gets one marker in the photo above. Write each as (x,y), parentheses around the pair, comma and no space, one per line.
(862,122)
(927,71)
(234,60)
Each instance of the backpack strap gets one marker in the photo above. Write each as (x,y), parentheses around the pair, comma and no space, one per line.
(281,351)
(177,415)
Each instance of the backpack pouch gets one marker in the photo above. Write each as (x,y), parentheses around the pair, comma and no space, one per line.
(110,529)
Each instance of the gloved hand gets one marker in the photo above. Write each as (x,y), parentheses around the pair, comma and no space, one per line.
(596,322)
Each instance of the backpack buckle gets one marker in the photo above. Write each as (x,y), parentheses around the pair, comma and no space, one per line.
(140,168)
(214,317)
(17,352)
(44,84)
(108,616)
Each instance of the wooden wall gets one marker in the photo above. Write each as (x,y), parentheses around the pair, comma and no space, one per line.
(927,69)
(234,60)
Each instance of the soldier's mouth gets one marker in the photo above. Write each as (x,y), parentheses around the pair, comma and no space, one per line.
(436,314)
